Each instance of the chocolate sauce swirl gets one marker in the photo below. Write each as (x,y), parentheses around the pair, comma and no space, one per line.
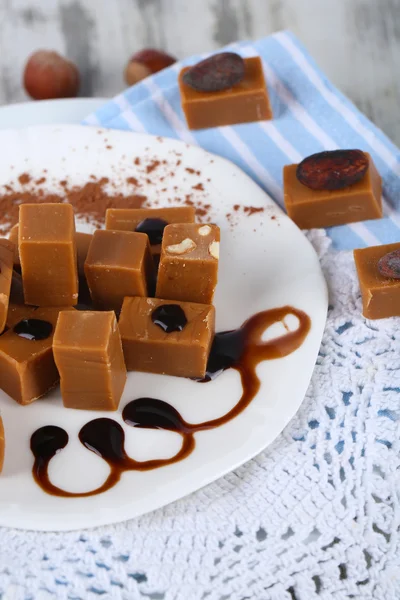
(241,349)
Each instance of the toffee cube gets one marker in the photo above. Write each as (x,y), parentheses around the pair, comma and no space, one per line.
(170,338)
(188,269)
(88,354)
(310,208)
(47,251)
(245,102)
(13,237)
(118,264)
(7,249)
(2,444)
(380,294)
(27,368)
(151,221)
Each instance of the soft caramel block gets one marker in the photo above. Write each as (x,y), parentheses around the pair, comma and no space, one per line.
(13,237)
(82,241)
(7,249)
(2,444)
(27,368)
(88,354)
(243,103)
(324,208)
(171,338)
(151,221)
(380,295)
(118,264)
(188,268)
(47,250)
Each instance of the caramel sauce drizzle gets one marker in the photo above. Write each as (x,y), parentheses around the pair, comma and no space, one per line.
(241,349)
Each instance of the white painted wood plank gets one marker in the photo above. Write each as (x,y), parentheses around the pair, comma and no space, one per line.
(357,43)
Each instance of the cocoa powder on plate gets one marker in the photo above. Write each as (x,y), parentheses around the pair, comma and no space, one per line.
(89,201)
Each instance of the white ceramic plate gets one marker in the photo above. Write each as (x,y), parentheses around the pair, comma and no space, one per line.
(265,262)
(46,112)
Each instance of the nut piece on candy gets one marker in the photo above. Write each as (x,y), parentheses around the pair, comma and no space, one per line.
(378,269)
(216,73)
(146,62)
(49,75)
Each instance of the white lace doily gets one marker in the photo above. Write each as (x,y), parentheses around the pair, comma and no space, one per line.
(314,517)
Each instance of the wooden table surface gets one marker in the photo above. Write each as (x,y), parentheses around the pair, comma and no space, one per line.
(356,42)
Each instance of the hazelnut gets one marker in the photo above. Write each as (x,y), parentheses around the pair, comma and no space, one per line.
(187,245)
(214,249)
(145,63)
(204,230)
(49,75)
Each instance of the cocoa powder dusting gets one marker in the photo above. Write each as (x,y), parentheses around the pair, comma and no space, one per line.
(132,181)
(89,201)
(151,166)
(251,210)
(24,178)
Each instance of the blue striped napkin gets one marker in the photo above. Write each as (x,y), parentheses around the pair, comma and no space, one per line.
(310,115)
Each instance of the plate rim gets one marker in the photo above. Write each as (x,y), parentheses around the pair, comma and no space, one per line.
(99,521)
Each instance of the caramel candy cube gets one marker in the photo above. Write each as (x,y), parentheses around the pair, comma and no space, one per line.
(6,272)
(188,268)
(47,250)
(118,264)
(88,354)
(324,208)
(151,221)
(2,444)
(13,237)
(245,102)
(170,338)
(83,241)
(27,368)
(380,295)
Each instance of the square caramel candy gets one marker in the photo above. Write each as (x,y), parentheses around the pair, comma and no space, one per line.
(88,354)
(188,268)
(47,250)
(245,102)
(82,241)
(13,237)
(311,208)
(151,221)
(2,444)
(118,264)
(7,249)
(380,290)
(170,338)
(27,368)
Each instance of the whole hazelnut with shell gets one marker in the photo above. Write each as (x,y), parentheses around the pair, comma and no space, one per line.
(146,62)
(49,75)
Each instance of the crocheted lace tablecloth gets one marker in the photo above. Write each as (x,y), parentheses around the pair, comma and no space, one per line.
(315,516)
